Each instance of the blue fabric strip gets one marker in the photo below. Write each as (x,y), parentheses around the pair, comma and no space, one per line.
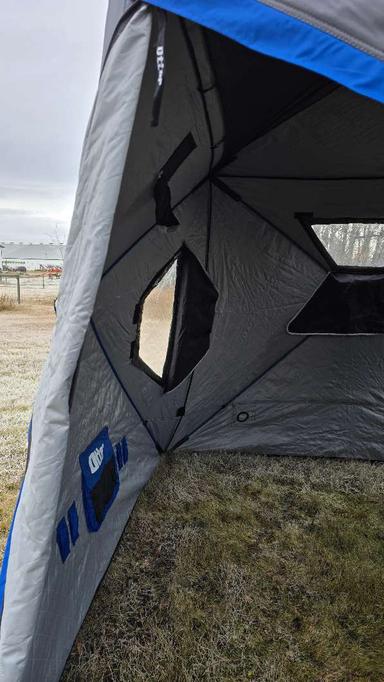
(124,444)
(73,522)
(62,539)
(280,35)
(4,565)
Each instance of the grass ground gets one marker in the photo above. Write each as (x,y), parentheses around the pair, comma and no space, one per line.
(233,567)
(237,567)
(25,333)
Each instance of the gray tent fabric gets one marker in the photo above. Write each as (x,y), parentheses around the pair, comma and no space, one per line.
(244,146)
(34,641)
(344,20)
(116,11)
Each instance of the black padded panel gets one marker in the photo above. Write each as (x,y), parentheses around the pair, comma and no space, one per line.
(344,304)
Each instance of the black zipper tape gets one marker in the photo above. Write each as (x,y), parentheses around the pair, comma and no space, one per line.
(162,193)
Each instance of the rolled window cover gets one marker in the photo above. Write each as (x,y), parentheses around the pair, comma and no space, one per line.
(345,304)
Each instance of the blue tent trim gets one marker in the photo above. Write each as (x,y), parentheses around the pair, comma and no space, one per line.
(4,565)
(276,34)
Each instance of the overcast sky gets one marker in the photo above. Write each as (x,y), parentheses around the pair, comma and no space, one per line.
(50,55)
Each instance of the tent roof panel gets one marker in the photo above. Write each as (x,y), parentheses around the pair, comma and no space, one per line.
(357,22)
(350,60)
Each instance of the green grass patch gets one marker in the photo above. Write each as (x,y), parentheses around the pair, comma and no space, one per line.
(237,567)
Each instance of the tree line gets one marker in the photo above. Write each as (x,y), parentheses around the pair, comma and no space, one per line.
(356,244)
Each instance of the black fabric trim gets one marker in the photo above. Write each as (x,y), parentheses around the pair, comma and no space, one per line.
(181,412)
(161,191)
(75,377)
(213,146)
(209,226)
(182,151)
(251,383)
(160,57)
(133,350)
(152,227)
(119,28)
(344,304)
(143,421)
(217,144)
(226,189)
(73,384)
(209,88)
(200,86)
(136,314)
(177,304)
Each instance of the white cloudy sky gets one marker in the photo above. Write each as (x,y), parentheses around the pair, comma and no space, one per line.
(50,55)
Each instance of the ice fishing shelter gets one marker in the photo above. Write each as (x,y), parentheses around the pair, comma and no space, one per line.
(223,283)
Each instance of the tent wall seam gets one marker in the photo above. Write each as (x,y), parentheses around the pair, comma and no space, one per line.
(152,227)
(173,435)
(200,88)
(115,373)
(202,92)
(243,390)
(231,193)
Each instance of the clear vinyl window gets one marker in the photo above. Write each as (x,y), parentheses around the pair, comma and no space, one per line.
(156,322)
(352,244)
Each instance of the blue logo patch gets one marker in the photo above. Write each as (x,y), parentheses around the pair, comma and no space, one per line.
(100,479)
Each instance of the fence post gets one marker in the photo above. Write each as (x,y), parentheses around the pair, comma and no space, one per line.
(18,289)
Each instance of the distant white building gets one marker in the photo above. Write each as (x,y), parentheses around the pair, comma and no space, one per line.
(31,256)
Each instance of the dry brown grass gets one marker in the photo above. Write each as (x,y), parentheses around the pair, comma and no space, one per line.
(25,333)
(31,289)
(233,567)
(7,302)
